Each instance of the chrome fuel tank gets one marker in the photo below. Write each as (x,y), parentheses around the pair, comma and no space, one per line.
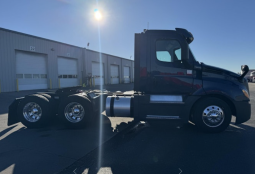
(118,106)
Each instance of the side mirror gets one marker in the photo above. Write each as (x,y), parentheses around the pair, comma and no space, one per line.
(245,70)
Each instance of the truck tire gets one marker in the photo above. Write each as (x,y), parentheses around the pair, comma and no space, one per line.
(212,115)
(34,111)
(75,111)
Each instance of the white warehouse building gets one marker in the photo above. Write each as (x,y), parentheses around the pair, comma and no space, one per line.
(28,62)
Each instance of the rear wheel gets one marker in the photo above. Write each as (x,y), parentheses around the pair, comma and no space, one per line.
(75,111)
(212,115)
(34,111)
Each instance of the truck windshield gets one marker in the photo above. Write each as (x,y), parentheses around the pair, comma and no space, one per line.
(191,55)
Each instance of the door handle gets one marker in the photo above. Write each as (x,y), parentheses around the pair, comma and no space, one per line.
(197,67)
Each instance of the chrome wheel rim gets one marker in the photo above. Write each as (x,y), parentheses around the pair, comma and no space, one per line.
(74,112)
(32,112)
(213,116)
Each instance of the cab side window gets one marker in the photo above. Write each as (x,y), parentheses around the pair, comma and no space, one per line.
(178,54)
(168,50)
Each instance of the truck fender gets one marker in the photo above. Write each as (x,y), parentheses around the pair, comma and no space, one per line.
(12,113)
(224,88)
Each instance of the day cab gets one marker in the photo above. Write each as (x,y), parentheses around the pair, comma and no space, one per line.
(170,84)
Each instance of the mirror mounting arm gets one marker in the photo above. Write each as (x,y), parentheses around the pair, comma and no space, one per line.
(245,70)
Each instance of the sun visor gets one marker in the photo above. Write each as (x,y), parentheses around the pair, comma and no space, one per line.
(187,35)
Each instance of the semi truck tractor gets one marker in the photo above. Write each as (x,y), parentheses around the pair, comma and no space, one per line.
(169,84)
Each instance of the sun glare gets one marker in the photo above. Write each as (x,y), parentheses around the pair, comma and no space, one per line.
(97,14)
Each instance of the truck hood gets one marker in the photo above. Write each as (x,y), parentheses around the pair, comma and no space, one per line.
(216,70)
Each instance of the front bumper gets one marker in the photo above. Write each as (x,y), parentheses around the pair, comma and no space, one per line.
(243,112)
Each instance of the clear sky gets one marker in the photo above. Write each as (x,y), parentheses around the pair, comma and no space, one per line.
(224,30)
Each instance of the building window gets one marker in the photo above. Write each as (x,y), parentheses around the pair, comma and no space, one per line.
(36,76)
(28,76)
(44,76)
(19,76)
(68,76)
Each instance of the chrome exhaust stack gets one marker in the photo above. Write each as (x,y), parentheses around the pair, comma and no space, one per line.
(118,106)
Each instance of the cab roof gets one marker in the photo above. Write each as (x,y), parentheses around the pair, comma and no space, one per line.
(185,33)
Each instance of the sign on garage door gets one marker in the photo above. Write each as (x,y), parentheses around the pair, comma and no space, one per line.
(126,75)
(98,77)
(115,74)
(31,71)
(67,72)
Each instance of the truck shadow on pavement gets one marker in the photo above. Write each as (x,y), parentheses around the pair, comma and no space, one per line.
(171,150)
(51,149)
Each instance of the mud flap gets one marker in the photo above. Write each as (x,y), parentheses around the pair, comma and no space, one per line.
(12,113)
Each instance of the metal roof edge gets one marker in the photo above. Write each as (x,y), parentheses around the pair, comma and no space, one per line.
(110,55)
(12,31)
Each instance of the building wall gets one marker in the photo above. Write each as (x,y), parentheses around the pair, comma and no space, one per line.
(11,42)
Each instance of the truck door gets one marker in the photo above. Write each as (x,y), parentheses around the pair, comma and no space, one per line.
(171,70)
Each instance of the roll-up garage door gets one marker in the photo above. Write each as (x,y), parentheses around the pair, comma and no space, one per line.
(67,72)
(126,75)
(31,71)
(99,78)
(115,74)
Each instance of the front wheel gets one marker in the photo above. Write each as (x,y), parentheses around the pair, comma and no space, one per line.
(212,115)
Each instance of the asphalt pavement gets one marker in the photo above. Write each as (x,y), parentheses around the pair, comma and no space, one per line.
(175,150)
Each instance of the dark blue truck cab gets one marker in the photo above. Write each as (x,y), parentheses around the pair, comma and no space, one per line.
(170,84)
